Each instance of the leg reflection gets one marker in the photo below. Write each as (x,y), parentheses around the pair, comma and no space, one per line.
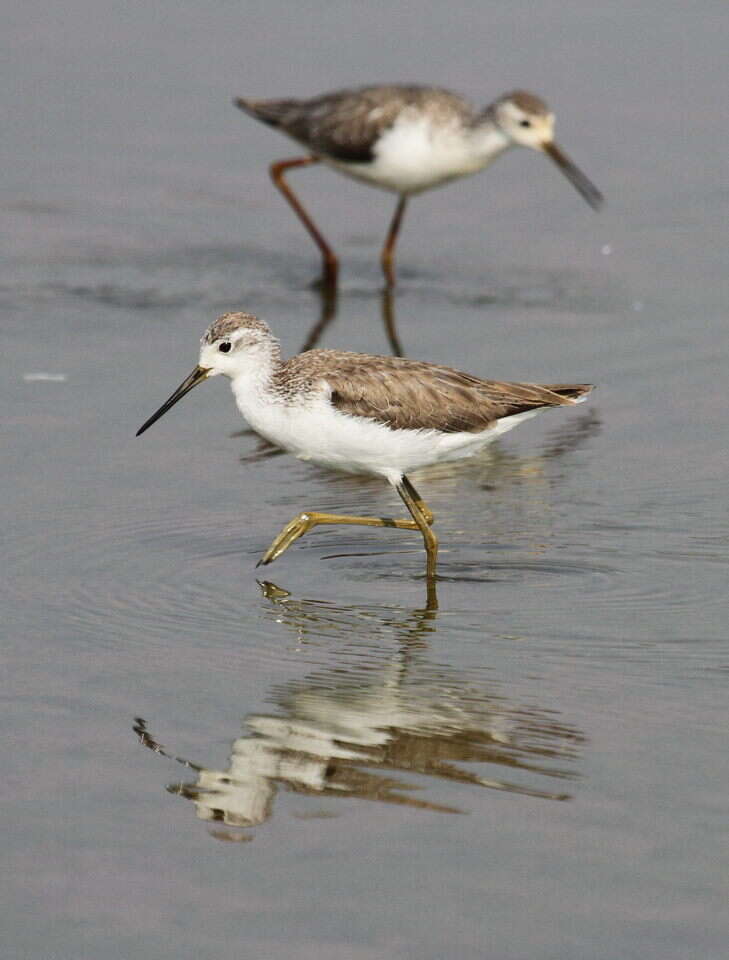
(329,305)
(388,319)
(327,315)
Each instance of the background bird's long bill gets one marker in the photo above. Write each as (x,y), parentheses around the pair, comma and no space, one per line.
(575,176)
(197,376)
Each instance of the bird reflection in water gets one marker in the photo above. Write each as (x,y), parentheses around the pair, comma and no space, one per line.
(328,314)
(368,730)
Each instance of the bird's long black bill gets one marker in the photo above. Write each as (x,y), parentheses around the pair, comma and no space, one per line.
(575,176)
(197,376)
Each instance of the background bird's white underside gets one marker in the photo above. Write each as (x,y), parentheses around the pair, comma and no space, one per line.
(415,155)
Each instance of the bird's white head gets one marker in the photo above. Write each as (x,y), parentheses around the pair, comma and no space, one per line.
(236,345)
(525,119)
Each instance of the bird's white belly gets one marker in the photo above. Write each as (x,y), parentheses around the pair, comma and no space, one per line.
(322,435)
(414,155)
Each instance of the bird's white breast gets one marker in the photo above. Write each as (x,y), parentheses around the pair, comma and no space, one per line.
(417,153)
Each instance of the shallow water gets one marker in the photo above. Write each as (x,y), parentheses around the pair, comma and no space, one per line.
(201,765)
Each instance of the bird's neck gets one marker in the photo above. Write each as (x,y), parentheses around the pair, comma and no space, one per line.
(256,375)
(486,138)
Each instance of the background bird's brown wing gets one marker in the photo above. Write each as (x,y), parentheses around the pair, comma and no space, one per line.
(405,394)
(346,124)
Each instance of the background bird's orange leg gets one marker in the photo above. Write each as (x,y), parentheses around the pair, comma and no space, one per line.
(387,257)
(330,266)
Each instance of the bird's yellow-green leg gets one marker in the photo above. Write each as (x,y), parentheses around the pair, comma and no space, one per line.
(423,517)
(420,512)
(306,521)
(424,508)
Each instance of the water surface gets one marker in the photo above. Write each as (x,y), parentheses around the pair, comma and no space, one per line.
(199,765)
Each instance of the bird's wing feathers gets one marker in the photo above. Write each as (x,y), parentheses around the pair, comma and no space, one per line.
(408,395)
(345,125)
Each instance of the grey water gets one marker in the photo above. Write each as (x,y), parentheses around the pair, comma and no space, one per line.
(197,764)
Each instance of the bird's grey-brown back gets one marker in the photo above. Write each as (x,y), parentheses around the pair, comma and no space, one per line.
(406,394)
(345,124)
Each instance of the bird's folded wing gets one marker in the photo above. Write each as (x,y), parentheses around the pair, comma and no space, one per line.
(407,395)
(345,125)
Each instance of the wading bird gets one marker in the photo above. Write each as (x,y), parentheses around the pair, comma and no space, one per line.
(383,416)
(406,139)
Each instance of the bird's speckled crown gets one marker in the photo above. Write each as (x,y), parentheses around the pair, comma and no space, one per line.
(230,322)
(528,102)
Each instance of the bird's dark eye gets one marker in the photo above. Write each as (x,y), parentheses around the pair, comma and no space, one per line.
(224,347)
(525,123)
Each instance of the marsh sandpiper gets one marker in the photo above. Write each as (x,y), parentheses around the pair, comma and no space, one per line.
(406,138)
(358,413)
